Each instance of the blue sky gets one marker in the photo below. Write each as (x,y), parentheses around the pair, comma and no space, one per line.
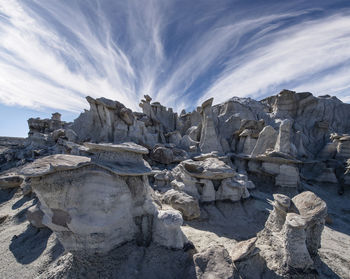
(53,53)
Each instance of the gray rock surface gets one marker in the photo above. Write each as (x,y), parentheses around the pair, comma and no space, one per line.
(93,209)
(215,262)
(290,238)
(35,217)
(266,140)
(10,181)
(209,140)
(123,181)
(186,204)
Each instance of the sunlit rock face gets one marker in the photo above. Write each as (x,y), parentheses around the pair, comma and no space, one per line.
(96,205)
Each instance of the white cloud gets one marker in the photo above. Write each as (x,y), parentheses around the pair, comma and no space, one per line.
(296,53)
(122,55)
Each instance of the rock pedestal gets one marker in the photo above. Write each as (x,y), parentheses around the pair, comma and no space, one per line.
(290,238)
(94,205)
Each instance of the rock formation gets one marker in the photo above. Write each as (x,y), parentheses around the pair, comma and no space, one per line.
(114,178)
(94,205)
(291,237)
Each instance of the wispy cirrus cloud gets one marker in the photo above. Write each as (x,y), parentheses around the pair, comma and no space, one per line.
(54,53)
(317,50)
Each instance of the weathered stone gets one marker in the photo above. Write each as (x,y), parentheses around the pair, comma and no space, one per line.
(54,163)
(174,137)
(162,155)
(123,159)
(249,145)
(127,116)
(314,211)
(288,176)
(231,190)
(215,262)
(183,202)
(167,230)
(210,168)
(35,216)
(92,208)
(267,140)
(209,140)
(58,134)
(343,148)
(243,249)
(283,143)
(125,146)
(271,168)
(10,181)
(286,242)
(208,191)
(71,135)
(296,254)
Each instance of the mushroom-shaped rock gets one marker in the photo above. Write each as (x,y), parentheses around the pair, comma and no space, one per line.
(54,163)
(88,207)
(93,206)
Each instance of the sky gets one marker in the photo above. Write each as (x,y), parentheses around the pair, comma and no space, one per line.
(53,53)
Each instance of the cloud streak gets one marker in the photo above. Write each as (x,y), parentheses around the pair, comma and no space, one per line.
(54,53)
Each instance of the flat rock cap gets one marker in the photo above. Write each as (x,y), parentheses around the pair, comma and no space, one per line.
(53,163)
(126,146)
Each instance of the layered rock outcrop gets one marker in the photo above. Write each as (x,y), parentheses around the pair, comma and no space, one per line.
(95,204)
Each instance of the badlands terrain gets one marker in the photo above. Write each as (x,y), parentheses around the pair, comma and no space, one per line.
(241,189)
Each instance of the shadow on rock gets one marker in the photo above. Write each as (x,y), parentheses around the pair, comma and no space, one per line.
(324,270)
(20,202)
(29,245)
(6,194)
